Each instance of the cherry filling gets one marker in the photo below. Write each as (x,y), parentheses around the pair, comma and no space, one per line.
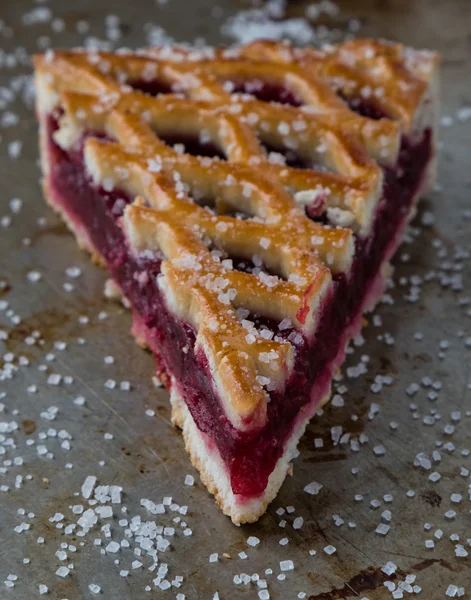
(292,159)
(249,457)
(193,146)
(363,107)
(267,92)
(153,87)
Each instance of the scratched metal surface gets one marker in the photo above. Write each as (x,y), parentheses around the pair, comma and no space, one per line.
(146,455)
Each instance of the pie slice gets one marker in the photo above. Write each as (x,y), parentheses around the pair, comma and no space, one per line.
(246,203)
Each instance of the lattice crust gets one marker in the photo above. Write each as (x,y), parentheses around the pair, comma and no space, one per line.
(391,76)
(94,92)
(198,286)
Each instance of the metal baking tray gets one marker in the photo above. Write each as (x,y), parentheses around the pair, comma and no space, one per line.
(54,321)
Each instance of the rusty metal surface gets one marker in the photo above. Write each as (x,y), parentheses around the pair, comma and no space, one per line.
(146,455)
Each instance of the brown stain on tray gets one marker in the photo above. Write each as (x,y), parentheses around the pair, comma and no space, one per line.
(28,426)
(320,457)
(48,322)
(372,578)
(428,562)
(5,287)
(431,497)
(367,580)
(51,322)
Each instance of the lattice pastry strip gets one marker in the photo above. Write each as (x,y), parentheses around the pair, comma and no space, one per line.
(339,147)
(355,189)
(197,289)
(203,290)
(393,77)
(320,106)
(243,189)
(205,82)
(95,72)
(279,65)
(199,286)
(292,247)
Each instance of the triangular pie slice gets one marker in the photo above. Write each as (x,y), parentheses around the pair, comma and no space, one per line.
(246,203)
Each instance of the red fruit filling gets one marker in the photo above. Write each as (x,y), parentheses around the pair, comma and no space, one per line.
(250,457)
(266,92)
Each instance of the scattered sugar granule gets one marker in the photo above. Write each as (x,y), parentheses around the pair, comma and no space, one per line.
(451,590)
(253,541)
(73,272)
(382,529)
(379,450)
(286,565)
(330,549)
(34,276)
(54,379)
(313,488)
(389,568)
(460,551)
(283,541)
(113,547)
(88,485)
(94,588)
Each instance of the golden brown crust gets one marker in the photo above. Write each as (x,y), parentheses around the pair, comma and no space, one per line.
(391,76)
(358,68)
(94,92)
